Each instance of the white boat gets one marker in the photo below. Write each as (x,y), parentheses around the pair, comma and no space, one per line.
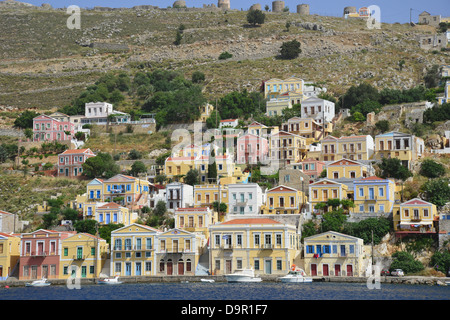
(295,276)
(243,275)
(207,280)
(114,280)
(38,283)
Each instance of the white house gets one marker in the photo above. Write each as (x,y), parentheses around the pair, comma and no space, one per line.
(98,112)
(228,123)
(318,109)
(179,195)
(244,198)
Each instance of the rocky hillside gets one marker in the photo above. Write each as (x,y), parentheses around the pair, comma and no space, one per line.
(43,64)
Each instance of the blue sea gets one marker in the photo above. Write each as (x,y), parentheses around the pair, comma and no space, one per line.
(176,298)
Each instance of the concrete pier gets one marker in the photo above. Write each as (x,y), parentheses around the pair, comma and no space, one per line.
(266,278)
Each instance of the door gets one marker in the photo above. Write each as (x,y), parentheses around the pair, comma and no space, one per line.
(337,269)
(75,172)
(138,268)
(371,194)
(313,269)
(180,268)
(268,266)
(83,271)
(169,268)
(128,268)
(227,266)
(349,270)
(45,271)
(67,172)
(325,270)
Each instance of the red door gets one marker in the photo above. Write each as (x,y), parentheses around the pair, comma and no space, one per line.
(180,268)
(337,269)
(314,270)
(349,270)
(325,270)
(169,268)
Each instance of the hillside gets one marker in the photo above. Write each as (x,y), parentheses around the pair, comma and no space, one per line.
(44,65)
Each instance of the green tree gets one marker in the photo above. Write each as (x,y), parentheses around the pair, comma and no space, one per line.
(309,228)
(393,168)
(137,167)
(431,169)
(100,166)
(178,38)
(70,214)
(212,166)
(104,231)
(221,209)
(433,76)
(333,221)
(358,117)
(134,155)
(225,55)
(198,76)
(255,17)
(441,261)
(290,50)
(160,208)
(363,229)
(437,191)
(25,120)
(405,261)
(356,95)
(192,177)
(86,226)
(382,125)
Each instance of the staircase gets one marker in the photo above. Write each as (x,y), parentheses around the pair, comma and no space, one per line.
(202,268)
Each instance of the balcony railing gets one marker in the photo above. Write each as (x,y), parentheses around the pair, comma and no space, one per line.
(79,257)
(132,248)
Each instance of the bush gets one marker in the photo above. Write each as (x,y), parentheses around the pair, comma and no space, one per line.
(225,55)
(290,50)
(382,125)
(431,169)
(255,17)
(406,262)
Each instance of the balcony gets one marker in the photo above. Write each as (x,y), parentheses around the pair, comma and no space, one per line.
(79,257)
(132,248)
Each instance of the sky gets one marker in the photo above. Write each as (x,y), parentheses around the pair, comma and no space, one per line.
(391,10)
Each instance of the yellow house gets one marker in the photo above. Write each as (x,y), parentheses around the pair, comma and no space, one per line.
(265,245)
(131,192)
(109,212)
(335,254)
(348,169)
(403,146)
(307,128)
(323,190)
(284,200)
(414,216)
(195,220)
(178,166)
(236,177)
(348,147)
(374,195)
(133,251)
(9,254)
(207,194)
(287,147)
(83,256)
(275,87)
(205,111)
(178,252)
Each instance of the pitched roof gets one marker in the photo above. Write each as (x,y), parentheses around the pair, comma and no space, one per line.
(416,201)
(110,205)
(251,221)
(76,151)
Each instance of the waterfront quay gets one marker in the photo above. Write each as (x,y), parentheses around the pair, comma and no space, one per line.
(418,280)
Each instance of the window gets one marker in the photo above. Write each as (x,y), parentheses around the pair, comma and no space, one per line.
(425,212)
(361,192)
(217,240)
(256,240)
(279,264)
(309,249)
(361,208)
(278,239)
(326,249)
(256,264)
(66,252)
(238,264)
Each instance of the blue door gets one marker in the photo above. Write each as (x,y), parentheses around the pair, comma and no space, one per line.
(128,268)
(138,269)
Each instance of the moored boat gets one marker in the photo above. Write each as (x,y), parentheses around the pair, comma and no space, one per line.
(296,275)
(38,283)
(243,275)
(114,280)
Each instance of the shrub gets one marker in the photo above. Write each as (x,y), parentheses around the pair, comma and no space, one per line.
(405,261)
(431,169)
(225,55)
(290,50)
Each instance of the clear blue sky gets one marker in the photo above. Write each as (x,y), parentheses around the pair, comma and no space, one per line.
(391,10)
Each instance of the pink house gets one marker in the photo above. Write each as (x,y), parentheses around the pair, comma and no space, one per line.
(40,253)
(70,162)
(46,128)
(311,167)
(252,149)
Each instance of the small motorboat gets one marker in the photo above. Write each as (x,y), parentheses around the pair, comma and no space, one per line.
(295,275)
(38,283)
(243,275)
(207,280)
(114,280)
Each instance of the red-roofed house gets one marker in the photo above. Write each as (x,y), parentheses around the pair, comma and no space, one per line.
(228,123)
(262,244)
(40,253)
(415,216)
(70,162)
